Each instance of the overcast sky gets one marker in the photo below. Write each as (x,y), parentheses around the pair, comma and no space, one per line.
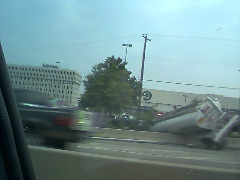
(193,41)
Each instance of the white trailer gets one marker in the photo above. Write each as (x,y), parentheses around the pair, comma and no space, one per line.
(204,119)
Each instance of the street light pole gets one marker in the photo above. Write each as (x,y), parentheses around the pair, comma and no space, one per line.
(126,45)
(126,55)
(142,69)
(239,100)
(58,62)
(185,97)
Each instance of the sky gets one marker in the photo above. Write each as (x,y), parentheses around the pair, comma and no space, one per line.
(192,41)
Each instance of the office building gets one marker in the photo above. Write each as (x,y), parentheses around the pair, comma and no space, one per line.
(56,83)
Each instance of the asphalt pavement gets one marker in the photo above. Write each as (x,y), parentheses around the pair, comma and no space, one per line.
(100,159)
(226,160)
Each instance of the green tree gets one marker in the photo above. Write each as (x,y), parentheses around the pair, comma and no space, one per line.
(109,87)
(195,100)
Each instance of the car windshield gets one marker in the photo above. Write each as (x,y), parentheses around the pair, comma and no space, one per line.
(127,85)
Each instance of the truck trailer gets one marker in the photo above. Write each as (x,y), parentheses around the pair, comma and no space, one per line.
(204,119)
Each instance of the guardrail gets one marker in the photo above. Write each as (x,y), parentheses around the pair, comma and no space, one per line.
(155,136)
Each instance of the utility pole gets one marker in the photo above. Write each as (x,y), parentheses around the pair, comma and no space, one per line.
(142,69)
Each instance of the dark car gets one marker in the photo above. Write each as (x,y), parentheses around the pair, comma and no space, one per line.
(55,125)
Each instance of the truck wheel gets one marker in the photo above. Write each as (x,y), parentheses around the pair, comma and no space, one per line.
(55,143)
(207,142)
(218,146)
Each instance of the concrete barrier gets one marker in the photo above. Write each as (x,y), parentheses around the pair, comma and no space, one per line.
(155,136)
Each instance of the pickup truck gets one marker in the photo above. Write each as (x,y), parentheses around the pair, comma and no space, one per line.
(56,125)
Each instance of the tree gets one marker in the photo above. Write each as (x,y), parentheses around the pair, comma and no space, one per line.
(109,87)
(195,100)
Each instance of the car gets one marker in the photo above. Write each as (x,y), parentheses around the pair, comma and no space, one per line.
(55,125)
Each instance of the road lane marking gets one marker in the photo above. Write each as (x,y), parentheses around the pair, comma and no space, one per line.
(159,155)
(133,160)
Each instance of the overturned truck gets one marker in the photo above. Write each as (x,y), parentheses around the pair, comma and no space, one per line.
(204,119)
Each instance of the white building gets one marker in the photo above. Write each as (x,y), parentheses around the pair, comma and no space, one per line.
(56,83)
(165,101)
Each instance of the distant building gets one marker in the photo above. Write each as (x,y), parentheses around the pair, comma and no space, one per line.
(165,101)
(56,83)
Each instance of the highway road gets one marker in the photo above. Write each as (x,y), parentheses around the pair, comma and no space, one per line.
(137,160)
(227,160)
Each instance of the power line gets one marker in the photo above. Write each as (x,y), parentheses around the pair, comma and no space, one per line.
(190,84)
(178,83)
(196,37)
(184,60)
(117,38)
(74,44)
